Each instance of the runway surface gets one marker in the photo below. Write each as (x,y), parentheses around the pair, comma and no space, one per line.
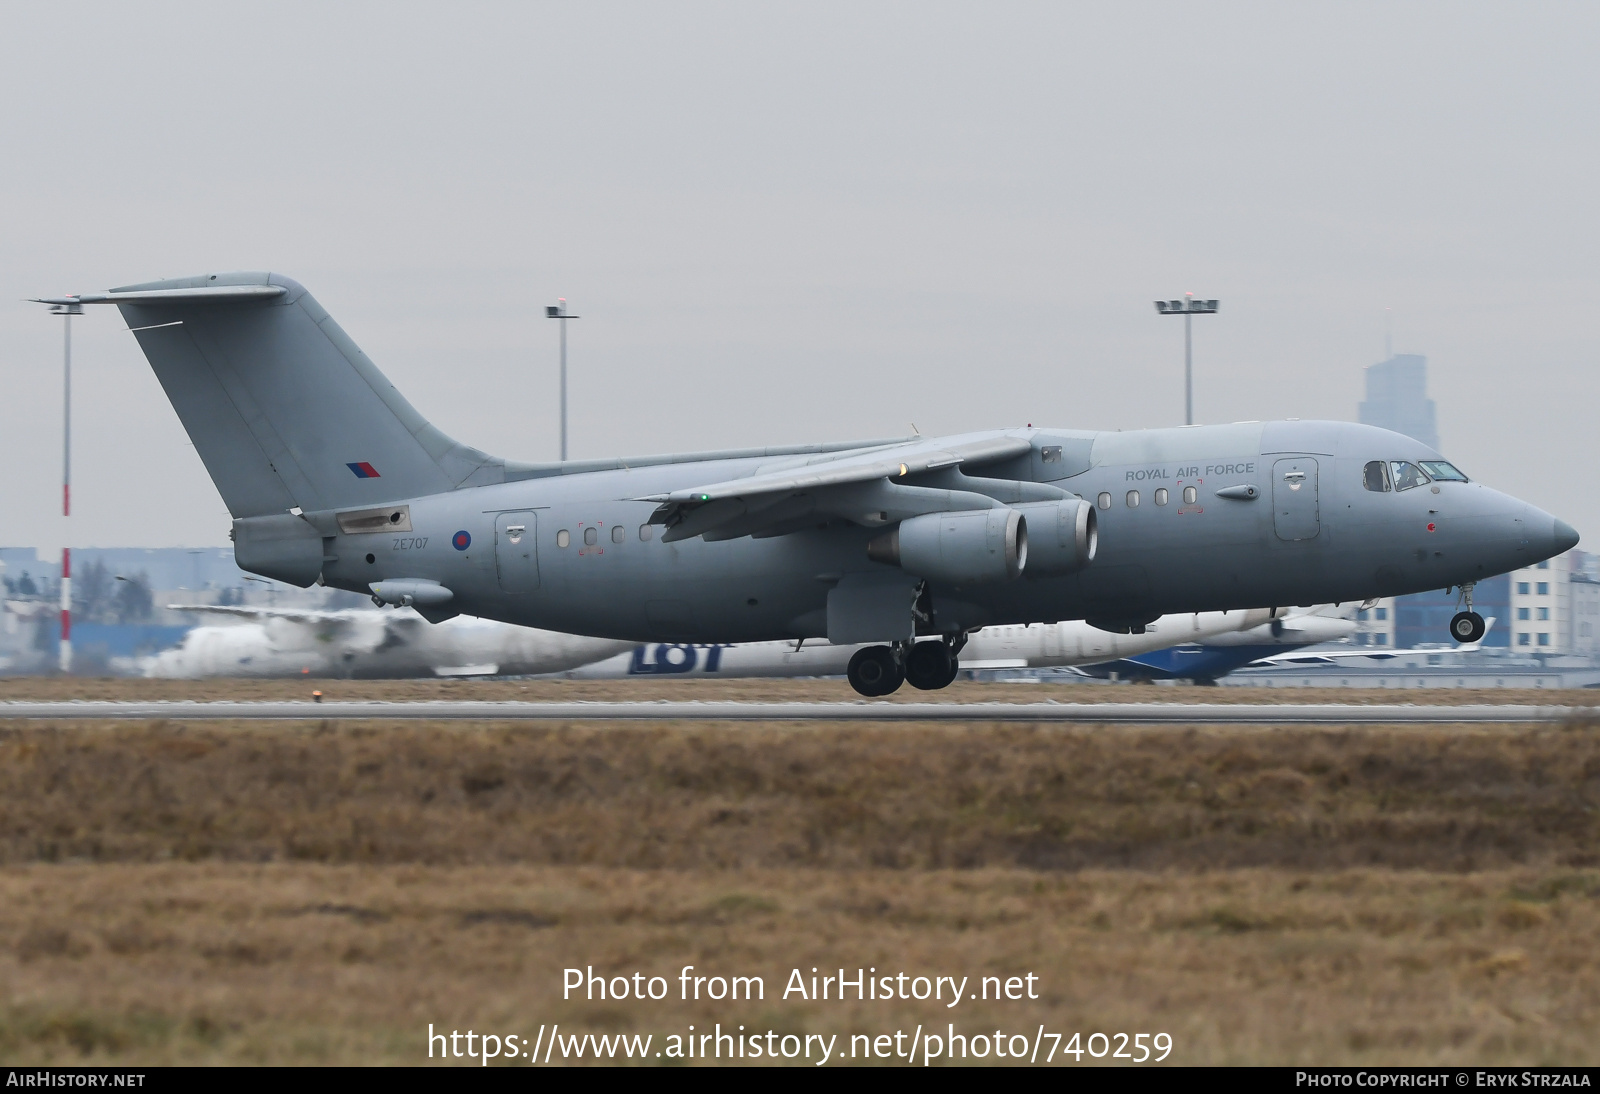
(863,711)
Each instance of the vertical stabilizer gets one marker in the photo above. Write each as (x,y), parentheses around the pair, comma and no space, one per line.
(282,406)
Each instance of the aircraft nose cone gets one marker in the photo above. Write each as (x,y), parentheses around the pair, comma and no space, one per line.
(1564,537)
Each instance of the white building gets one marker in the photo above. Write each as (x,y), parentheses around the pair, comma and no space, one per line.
(1541,607)
(1375,625)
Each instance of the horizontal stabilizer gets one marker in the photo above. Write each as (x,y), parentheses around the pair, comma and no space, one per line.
(156,297)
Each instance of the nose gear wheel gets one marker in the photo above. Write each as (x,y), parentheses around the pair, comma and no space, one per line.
(1467,627)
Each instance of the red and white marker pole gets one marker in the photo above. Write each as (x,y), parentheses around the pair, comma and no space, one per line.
(66,311)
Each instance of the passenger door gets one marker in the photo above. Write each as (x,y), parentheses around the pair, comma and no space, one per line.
(1295,513)
(516,551)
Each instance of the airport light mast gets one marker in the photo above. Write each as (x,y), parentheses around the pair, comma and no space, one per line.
(66,311)
(1187,307)
(558,310)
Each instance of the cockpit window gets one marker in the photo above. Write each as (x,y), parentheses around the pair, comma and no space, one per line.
(1440,471)
(1407,475)
(1376,477)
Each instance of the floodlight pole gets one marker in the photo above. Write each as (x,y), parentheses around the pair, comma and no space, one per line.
(558,310)
(1188,307)
(66,311)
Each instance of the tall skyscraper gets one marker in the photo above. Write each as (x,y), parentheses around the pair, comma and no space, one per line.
(1397,398)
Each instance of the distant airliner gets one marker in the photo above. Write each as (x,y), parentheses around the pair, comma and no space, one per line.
(332,476)
(1043,645)
(1207,660)
(367,645)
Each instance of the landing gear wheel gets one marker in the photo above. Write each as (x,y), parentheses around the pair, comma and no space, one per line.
(873,671)
(929,666)
(1467,627)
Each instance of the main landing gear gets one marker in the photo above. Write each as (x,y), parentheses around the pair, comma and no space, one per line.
(928,666)
(1467,626)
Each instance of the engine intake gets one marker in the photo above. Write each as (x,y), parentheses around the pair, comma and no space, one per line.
(971,546)
(1063,536)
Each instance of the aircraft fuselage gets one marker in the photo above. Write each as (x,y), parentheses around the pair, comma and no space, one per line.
(566,552)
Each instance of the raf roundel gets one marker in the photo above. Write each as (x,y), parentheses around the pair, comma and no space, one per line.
(461,540)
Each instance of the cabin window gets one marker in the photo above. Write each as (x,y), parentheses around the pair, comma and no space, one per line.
(1408,475)
(1375,476)
(1440,471)
(563,538)
(1133,499)
(1161,496)
(1050,453)
(1190,495)
(645,531)
(1104,500)
(618,533)
(590,537)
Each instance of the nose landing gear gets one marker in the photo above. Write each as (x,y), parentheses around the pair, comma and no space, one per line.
(1467,626)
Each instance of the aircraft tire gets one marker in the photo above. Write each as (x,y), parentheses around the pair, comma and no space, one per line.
(929,666)
(1467,627)
(873,671)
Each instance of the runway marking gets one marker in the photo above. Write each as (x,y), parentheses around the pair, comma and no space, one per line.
(863,711)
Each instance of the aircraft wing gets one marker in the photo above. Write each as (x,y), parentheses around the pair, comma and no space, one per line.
(347,625)
(866,487)
(1333,657)
(1329,658)
(293,615)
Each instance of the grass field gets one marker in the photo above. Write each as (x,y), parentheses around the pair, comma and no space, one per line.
(320,892)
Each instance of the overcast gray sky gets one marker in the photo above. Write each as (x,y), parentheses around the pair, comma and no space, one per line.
(809,222)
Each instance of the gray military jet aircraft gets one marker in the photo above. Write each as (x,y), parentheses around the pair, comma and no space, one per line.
(332,476)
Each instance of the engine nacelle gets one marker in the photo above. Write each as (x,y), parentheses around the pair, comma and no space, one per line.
(1062,536)
(961,548)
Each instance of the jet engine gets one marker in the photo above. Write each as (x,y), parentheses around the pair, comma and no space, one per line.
(1063,536)
(970,546)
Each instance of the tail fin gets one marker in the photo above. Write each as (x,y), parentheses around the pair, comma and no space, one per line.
(282,406)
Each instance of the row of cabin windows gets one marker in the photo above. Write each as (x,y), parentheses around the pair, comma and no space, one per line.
(1190,495)
(591,536)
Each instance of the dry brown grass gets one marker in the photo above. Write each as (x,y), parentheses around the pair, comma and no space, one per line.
(219,963)
(320,892)
(847,796)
